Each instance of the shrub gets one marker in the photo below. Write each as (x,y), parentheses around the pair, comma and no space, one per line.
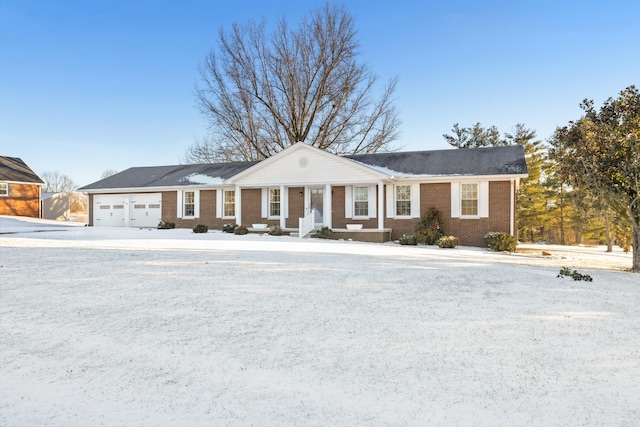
(448,242)
(241,229)
(229,228)
(429,229)
(166,225)
(408,239)
(275,231)
(500,241)
(565,271)
(200,228)
(324,233)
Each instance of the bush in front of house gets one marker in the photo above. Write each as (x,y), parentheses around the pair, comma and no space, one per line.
(229,228)
(166,225)
(200,228)
(500,241)
(448,242)
(275,231)
(430,227)
(408,239)
(324,233)
(240,229)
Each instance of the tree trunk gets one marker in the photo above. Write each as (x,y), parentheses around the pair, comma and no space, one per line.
(636,250)
(608,234)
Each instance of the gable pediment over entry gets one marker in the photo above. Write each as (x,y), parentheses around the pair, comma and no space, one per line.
(302,164)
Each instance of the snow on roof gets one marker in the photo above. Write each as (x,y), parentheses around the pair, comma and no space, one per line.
(198,178)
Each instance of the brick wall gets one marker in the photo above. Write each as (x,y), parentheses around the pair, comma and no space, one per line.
(22,200)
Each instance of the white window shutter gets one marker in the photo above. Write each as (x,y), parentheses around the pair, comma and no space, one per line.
(415,200)
(196,203)
(372,201)
(483,199)
(391,198)
(284,200)
(179,207)
(219,202)
(265,203)
(455,200)
(348,201)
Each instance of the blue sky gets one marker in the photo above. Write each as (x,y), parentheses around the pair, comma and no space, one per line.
(87,86)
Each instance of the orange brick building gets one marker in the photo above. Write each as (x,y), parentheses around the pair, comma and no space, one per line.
(19,188)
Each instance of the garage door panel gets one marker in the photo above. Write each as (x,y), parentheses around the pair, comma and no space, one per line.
(133,210)
(145,210)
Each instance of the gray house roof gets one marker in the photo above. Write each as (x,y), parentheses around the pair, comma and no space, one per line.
(170,176)
(471,161)
(507,160)
(15,170)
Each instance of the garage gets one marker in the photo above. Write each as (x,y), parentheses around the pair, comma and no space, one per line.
(127,210)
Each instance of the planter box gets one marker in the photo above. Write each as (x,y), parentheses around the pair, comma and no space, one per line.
(354,226)
(259,226)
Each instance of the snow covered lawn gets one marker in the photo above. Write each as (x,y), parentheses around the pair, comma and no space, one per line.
(167,327)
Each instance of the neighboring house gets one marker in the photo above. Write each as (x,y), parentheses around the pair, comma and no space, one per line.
(55,206)
(304,188)
(19,188)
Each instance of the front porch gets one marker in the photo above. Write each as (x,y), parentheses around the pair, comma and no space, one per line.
(363,235)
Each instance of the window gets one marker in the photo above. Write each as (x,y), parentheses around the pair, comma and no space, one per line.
(469,199)
(138,206)
(189,203)
(361,201)
(403,200)
(4,189)
(274,202)
(229,203)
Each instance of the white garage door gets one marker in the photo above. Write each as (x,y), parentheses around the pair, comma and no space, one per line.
(109,211)
(145,210)
(127,210)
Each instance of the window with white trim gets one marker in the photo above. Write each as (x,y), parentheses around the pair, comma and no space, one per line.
(469,199)
(4,189)
(229,202)
(189,203)
(274,202)
(403,200)
(361,201)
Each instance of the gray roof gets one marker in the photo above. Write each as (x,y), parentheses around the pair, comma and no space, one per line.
(15,170)
(467,161)
(507,160)
(167,176)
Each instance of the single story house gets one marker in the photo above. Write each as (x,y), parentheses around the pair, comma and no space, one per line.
(19,188)
(369,197)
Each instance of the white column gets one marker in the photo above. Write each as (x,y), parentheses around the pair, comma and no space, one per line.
(327,208)
(238,205)
(283,208)
(380,205)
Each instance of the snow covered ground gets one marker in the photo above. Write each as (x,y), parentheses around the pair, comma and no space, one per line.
(167,327)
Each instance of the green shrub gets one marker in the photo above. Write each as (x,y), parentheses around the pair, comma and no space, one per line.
(565,271)
(447,242)
(229,228)
(500,241)
(429,229)
(241,229)
(408,239)
(200,228)
(275,231)
(324,233)
(166,225)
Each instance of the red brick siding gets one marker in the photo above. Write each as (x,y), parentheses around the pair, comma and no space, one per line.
(296,206)
(22,200)
(338,204)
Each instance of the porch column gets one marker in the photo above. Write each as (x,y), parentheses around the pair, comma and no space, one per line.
(380,205)
(238,206)
(284,207)
(327,208)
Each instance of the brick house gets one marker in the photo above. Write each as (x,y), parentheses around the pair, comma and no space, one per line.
(370,197)
(19,188)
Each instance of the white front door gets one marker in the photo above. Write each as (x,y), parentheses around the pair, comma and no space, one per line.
(316,204)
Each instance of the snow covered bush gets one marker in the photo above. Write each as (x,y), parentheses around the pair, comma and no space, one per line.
(447,242)
(275,231)
(229,228)
(429,229)
(408,239)
(200,228)
(566,271)
(324,233)
(500,241)
(241,229)
(166,225)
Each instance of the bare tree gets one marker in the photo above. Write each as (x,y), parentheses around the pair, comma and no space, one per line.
(107,173)
(263,92)
(55,182)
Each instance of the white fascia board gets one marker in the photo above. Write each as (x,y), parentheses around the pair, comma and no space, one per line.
(457,178)
(153,189)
